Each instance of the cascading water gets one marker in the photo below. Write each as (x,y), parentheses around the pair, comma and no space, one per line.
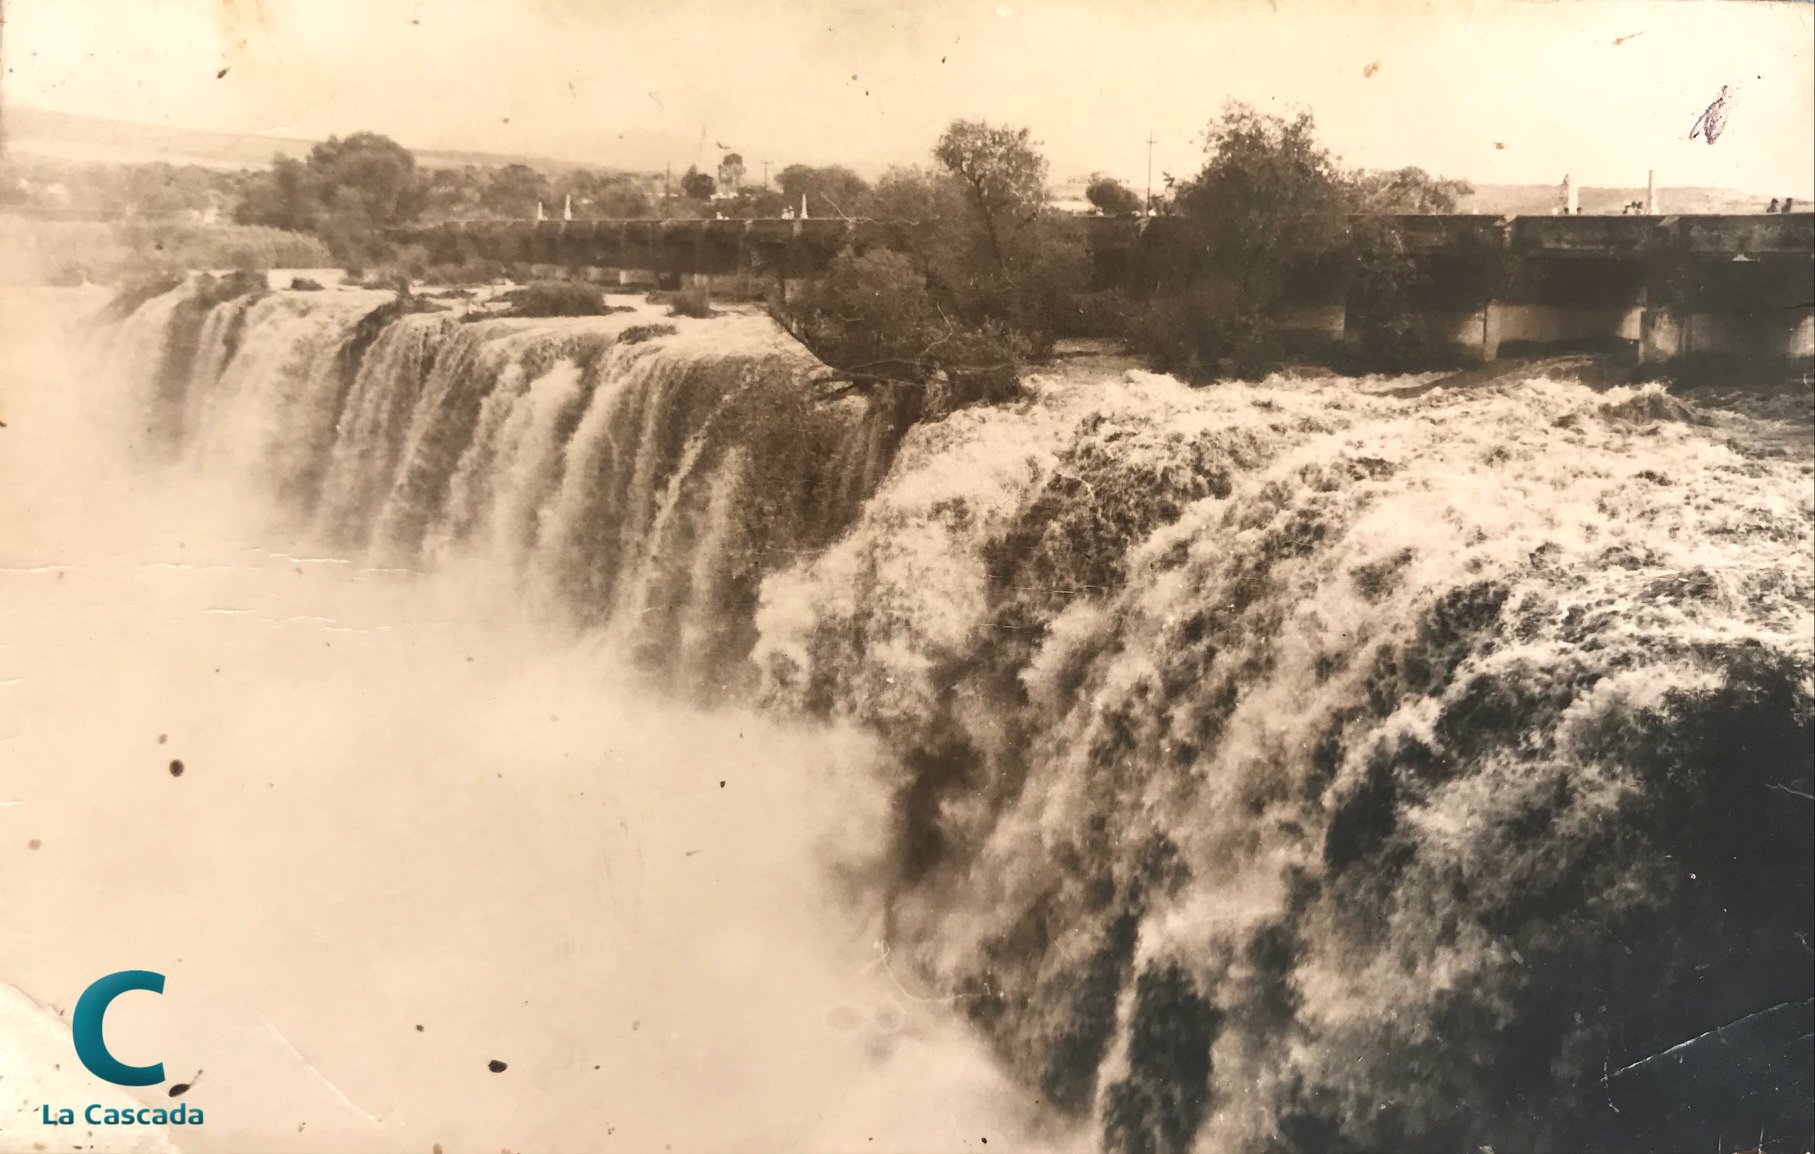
(421,865)
(644,487)
(1312,765)
(1327,765)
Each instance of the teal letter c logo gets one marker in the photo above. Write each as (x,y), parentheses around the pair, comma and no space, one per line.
(91,1046)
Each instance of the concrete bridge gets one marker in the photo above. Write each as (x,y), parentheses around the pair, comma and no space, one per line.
(1671,286)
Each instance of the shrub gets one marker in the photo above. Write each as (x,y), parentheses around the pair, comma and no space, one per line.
(1111,197)
(873,318)
(305,284)
(1201,330)
(554,298)
(174,245)
(469,272)
(637,334)
(216,290)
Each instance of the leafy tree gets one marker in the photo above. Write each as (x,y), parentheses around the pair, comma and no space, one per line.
(602,195)
(162,190)
(1407,190)
(873,317)
(1111,197)
(514,191)
(1381,321)
(1268,199)
(347,192)
(756,202)
(1268,204)
(285,197)
(697,185)
(924,214)
(377,173)
(453,193)
(622,198)
(1269,213)
(1001,169)
(832,191)
(969,274)
(1020,278)
(731,171)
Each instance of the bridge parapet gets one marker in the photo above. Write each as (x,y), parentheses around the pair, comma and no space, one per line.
(584,242)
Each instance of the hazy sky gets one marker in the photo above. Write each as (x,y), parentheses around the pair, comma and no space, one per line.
(1600,89)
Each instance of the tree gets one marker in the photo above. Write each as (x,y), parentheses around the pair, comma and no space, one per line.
(619,198)
(1005,176)
(1406,190)
(377,174)
(453,193)
(348,192)
(731,172)
(1268,199)
(601,195)
(925,215)
(514,191)
(832,191)
(873,318)
(756,202)
(285,197)
(1111,197)
(697,185)
(1267,205)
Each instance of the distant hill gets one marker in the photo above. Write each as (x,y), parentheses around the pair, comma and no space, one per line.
(1543,199)
(67,136)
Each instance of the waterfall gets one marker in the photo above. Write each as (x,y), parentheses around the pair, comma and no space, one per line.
(644,488)
(1312,764)
(1330,765)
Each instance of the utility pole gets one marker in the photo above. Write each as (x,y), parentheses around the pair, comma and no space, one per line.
(765,174)
(1147,209)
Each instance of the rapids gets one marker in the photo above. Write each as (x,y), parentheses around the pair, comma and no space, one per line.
(1314,764)
(1408,767)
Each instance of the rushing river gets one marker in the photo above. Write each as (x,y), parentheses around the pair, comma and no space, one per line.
(1316,764)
